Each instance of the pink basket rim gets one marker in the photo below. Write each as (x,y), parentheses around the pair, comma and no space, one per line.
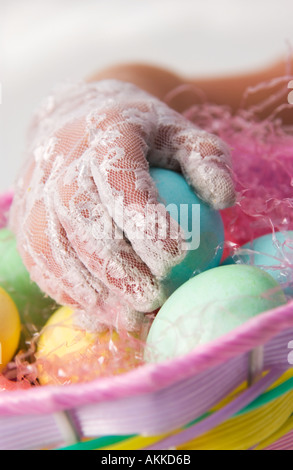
(149,378)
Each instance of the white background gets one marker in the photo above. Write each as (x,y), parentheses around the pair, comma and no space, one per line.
(46,41)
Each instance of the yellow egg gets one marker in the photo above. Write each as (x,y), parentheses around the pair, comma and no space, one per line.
(10,328)
(61,338)
(67,354)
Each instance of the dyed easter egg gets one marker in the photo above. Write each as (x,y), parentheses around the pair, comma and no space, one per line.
(208,306)
(203,226)
(10,328)
(33,305)
(60,338)
(272,253)
(67,353)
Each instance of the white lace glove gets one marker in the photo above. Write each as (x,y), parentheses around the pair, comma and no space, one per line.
(86,178)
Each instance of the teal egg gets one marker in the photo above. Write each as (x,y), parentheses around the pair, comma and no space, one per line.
(208,306)
(272,253)
(33,305)
(202,225)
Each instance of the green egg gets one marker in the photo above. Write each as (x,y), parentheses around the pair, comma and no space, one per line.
(208,306)
(33,305)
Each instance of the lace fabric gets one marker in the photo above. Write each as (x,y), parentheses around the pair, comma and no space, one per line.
(85,211)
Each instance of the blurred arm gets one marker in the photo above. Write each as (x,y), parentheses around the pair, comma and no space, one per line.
(223,90)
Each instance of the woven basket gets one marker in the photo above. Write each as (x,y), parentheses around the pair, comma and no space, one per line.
(199,401)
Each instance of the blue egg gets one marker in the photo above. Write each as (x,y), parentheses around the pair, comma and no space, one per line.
(273,253)
(202,225)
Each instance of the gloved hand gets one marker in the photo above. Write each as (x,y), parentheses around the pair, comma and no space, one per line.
(84,199)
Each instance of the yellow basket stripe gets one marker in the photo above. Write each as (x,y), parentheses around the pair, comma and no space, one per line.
(267,425)
(260,427)
(282,431)
(245,431)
